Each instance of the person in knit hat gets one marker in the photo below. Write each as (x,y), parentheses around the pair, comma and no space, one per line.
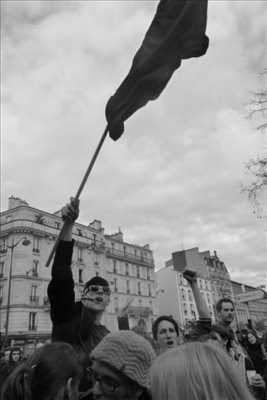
(120,369)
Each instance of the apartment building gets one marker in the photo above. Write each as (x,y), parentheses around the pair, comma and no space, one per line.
(26,239)
(175,294)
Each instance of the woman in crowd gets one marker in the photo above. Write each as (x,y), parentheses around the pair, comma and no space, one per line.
(120,369)
(196,371)
(165,332)
(52,373)
(254,349)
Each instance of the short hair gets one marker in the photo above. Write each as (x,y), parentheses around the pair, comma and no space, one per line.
(159,320)
(96,280)
(223,300)
(196,370)
(44,373)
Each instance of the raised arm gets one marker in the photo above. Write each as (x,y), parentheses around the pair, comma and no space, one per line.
(61,287)
(201,304)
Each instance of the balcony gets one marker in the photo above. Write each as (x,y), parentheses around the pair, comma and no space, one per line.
(139,312)
(121,255)
(34,300)
(36,251)
(32,328)
(46,301)
(97,246)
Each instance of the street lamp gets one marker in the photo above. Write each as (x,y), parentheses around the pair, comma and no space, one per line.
(14,244)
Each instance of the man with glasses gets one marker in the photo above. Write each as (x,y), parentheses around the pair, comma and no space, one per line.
(77,323)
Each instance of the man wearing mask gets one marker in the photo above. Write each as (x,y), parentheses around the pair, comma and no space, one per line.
(77,323)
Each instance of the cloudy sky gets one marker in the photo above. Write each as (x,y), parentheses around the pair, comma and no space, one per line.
(173,180)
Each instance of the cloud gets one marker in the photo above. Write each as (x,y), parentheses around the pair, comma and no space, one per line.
(173,180)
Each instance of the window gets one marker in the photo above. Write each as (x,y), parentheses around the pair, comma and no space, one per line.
(149,290)
(115,285)
(33,297)
(140,302)
(79,254)
(128,286)
(190,298)
(36,244)
(139,288)
(148,274)
(138,272)
(3,246)
(2,264)
(57,225)
(127,269)
(35,268)
(32,321)
(1,294)
(114,266)
(116,304)
(80,276)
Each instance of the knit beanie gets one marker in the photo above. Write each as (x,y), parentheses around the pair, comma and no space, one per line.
(127,352)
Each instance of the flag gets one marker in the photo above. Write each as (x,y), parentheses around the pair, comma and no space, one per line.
(177,32)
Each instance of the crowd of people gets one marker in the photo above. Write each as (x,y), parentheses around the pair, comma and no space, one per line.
(86,361)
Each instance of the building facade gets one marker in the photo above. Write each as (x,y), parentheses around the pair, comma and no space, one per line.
(24,278)
(247,307)
(174,293)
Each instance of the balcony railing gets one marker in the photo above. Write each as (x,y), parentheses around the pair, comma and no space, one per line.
(46,301)
(32,328)
(131,257)
(34,299)
(139,311)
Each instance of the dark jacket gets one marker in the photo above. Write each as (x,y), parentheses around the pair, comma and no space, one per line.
(72,323)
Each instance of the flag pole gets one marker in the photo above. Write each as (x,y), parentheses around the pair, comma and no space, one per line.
(82,184)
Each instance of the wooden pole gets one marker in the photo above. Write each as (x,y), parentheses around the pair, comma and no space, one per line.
(82,184)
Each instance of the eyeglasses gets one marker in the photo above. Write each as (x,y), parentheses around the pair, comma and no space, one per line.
(98,289)
(107,384)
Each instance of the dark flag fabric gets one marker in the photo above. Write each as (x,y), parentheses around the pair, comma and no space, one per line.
(177,32)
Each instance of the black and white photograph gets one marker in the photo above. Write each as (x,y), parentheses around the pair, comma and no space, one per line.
(133,239)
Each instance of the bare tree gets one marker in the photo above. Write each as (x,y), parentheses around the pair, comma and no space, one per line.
(257,168)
